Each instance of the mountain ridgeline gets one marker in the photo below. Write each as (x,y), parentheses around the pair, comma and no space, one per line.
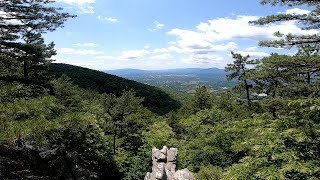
(155,99)
(186,71)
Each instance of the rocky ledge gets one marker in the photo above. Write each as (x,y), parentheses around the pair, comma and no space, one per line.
(28,163)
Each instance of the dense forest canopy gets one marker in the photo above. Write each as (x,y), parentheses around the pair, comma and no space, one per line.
(108,125)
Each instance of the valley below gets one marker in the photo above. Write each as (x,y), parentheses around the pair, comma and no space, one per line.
(181,80)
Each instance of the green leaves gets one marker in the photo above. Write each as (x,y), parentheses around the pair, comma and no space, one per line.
(158,135)
(201,100)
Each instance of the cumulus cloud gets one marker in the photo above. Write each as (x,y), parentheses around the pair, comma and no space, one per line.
(238,28)
(297,11)
(203,59)
(253,48)
(156,26)
(160,50)
(207,45)
(108,19)
(84,6)
(223,35)
(254,54)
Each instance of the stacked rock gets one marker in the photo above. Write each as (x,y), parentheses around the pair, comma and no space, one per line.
(164,163)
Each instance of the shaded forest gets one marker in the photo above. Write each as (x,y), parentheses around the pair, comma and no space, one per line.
(104,127)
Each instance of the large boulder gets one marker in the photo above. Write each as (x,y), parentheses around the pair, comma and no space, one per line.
(164,166)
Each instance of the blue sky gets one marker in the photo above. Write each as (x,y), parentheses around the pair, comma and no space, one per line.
(164,34)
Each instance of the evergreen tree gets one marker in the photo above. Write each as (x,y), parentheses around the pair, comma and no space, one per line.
(31,15)
(240,71)
(119,108)
(22,24)
(307,21)
(67,94)
(201,99)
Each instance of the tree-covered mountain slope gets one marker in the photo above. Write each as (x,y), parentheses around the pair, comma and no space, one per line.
(155,99)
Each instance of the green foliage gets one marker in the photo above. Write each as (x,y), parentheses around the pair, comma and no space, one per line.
(239,70)
(209,173)
(22,43)
(9,92)
(67,94)
(23,119)
(229,102)
(205,140)
(285,148)
(158,135)
(200,100)
(134,165)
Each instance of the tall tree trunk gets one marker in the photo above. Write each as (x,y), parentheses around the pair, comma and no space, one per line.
(25,72)
(121,122)
(308,78)
(114,139)
(274,113)
(247,92)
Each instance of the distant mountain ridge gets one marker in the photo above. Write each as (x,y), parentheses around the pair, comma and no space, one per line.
(194,71)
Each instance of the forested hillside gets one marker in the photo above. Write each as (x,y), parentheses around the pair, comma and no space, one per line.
(155,99)
(59,121)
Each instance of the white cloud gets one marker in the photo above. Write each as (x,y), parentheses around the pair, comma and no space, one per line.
(85,6)
(78,52)
(223,29)
(253,54)
(223,35)
(162,56)
(108,19)
(86,44)
(156,26)
(86,9)
(160,50)
(134,54)
(147,46)
(204,59)
(207,45)
(253,48)
(297,11)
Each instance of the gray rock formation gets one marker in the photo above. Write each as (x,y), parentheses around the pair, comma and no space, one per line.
(164,164)
(29,163)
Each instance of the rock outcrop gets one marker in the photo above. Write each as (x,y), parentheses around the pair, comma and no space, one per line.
(164,165)
(28,163)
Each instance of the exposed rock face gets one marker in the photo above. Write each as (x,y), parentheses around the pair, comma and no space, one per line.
(28,163)
(164,164)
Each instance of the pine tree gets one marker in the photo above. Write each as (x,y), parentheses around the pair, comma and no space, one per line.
(22,24)
(201,99)
(307,21)
(240,71)
(119,108)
